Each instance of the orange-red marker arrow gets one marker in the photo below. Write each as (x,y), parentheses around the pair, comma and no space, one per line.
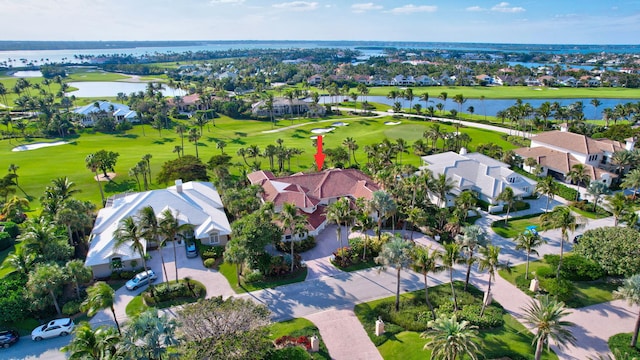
(319,155)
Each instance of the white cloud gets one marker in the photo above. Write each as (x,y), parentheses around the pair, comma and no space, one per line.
(360,8)
(297,6)
(409,9)
(234,2)
(505,8)
(475,8)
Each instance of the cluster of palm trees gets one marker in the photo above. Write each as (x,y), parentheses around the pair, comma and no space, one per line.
(278,156)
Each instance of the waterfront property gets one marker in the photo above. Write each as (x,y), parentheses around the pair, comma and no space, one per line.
(475,172)
(119,112)
(283,106)
(558,151)
(194,203)
(311,193)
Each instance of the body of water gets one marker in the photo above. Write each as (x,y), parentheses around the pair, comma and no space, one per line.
(112,88)
(490,107)
(27,74)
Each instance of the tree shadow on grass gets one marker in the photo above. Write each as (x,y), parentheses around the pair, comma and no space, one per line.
(212,139)
(238,141)
(127,136)
(163,140)
(122,186)
(240,134)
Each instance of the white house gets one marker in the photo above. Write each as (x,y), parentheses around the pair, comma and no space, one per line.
(120,112)
(194,203)
(475,172)
(283,106)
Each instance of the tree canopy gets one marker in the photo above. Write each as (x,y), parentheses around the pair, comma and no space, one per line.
(187,168)
(616,249)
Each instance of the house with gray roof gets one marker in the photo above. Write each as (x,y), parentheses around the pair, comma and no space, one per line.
(475,172)
(195,203)
(119,112)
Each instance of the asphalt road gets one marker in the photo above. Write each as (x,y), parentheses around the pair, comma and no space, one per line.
(47,349)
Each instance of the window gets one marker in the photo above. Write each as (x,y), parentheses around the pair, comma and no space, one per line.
(287,237)
(213,238)
(116,263)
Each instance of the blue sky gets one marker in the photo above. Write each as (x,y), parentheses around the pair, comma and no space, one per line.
(516,21)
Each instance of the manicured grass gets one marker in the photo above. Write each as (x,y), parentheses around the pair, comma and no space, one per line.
(600,214)
(515,92)
(512,339)
(587,292)
(515,226)
(229,272)
(359,266)
(620,342)
(135,307)
(299,327)
(37,168)
(95,75)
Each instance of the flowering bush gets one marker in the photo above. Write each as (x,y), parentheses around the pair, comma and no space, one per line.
(287,341)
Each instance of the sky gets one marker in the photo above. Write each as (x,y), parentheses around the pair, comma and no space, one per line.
(516,21)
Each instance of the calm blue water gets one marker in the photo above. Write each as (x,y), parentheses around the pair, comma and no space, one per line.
(490,107)
(39,57)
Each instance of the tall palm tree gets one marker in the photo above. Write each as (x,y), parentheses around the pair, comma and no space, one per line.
(545,316)
(473,238)
(596,103)
(450,339)
(181,129)
(597,189)
(617,205)
(630,291)
(425,261)
(529,241)
(148,336)
(339,213)
(396,253)
(547,187)
(561,217)
(92,344)
(450,258)
(632,181)
(291,221)
(78,273)
(578,174)
(489,261)
(169,228)
(194,136)
(151,230)
(363,222)
(623,158)
(384,206)
(100,296)
(441,186)
(508,198)
(93,165)
(129,233)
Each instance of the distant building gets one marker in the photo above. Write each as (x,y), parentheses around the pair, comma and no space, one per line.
(120,112)
(284,106)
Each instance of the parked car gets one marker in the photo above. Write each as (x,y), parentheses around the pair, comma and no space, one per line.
(141,279)
(8,338)
(58,327)
(577,238)
(191,250)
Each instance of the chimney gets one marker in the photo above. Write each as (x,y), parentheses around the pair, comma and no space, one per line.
(463,151)
(179,186)
(564,127)
(630,143)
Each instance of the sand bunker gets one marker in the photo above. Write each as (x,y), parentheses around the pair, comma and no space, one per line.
(322,131)
(339,123)
(37,146)
(393,122)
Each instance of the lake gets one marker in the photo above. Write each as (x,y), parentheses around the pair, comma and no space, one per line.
(490,107)
(112,88)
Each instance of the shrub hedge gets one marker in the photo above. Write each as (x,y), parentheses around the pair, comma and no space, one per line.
(298,246)
(71,307)
(11,228)
(6,241)
(620,342)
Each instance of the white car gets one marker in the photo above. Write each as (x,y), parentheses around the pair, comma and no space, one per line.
(141,279)
(58,327)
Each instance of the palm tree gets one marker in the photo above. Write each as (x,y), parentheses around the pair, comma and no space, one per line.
(100,296)
(529,241)
(92,164)
(425,261)
(441,186)
(578,174)
(443,96)
(450,339)
(181,129)
(466,201)
(547,187)
(596,103)
(561,217)
(630,291)
(508,198)
(474,238)
(194,136)
(396,253)
(415,216)
(339,212)
(151,230)
(545,316)
(617,205)
(169,228)
(130,233)
(291,221)
(450,258)
(490,262)
(148,336)
(92,344)
(363,222)
(78,273)
(632,181)
(623,158)
(384,206)
(597,189)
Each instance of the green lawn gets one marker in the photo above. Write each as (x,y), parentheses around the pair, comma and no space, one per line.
(299,327)
(511,340)
(587,292)
(95,75)
(600,214)
(5,268)
(37,168)
(135,307)
(515,226)
(229,272)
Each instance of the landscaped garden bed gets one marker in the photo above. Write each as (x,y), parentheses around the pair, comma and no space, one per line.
(515,226)
(296,332)
(262,282)
(165,295)
(502,335)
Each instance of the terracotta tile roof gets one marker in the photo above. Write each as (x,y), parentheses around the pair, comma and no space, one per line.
(314,220)
(559,161)
(577,143)
(307,190)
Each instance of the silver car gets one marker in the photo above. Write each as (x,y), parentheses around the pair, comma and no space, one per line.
(141,279)
(58,327)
